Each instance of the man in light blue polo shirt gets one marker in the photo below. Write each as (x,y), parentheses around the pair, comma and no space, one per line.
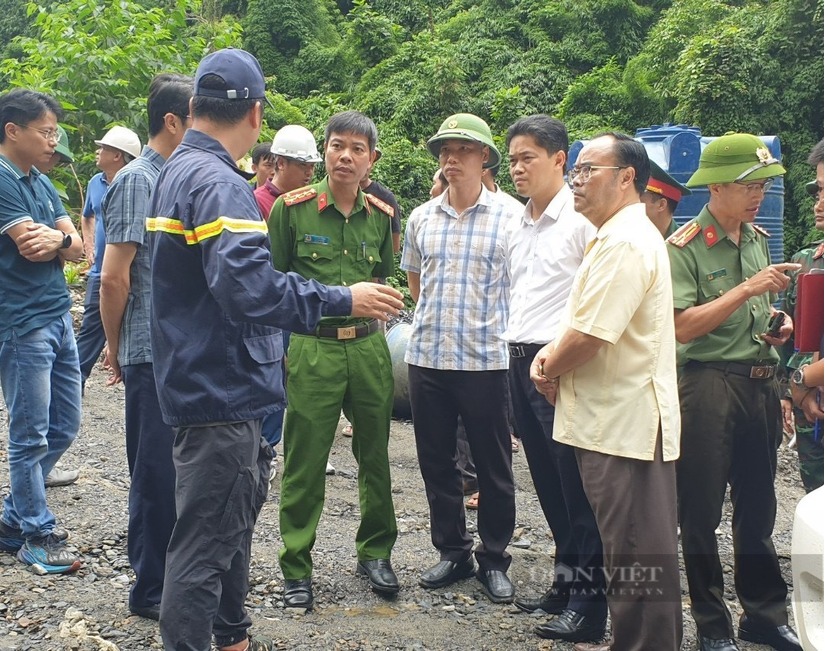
(39,371)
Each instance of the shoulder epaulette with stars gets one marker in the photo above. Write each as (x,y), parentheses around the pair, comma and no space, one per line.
(381,205)
(299,196)
(685,234)
(760,230)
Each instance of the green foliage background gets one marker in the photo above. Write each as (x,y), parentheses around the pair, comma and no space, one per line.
(717,64)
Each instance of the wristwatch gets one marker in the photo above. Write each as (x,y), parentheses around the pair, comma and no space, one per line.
(67,241)
(798,377)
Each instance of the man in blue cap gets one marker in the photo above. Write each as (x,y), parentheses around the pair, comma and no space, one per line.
(217,308)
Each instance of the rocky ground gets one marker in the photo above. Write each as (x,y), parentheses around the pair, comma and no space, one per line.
(88,610)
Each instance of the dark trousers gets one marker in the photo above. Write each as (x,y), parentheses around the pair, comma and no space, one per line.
(222,481)
(152,489)
(90,338)
(437,399)
(635,506)
(465,457)
(578,562)
(731,429)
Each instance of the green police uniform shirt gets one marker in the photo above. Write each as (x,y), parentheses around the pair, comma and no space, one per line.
(706,264)
(311,237)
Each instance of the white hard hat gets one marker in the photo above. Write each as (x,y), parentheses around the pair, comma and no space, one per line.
(294,141)
(123,139)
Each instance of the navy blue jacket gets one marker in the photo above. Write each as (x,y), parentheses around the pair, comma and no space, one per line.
(217,302)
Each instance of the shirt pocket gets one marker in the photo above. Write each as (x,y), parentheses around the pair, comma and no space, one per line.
(313,252)
(369,255)
(710,290)
(265,349)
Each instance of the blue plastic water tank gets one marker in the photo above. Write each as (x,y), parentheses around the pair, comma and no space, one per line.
(676,149)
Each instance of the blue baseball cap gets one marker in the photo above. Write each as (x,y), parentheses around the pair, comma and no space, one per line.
(240,72)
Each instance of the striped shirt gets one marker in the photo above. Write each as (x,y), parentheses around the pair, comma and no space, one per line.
(462,307)
(126,206)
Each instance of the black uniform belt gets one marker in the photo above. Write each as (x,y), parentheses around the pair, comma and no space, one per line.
(754,371)
(349,332)
(524,350)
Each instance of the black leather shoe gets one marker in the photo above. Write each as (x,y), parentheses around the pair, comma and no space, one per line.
(380,574)
(572,627)
(298,593)
(722,644)
(148,612)
(497,586)
(551,602)
(446,572)
(781,638)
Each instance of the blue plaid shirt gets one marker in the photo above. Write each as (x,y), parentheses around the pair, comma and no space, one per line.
(126,206)
(462,308)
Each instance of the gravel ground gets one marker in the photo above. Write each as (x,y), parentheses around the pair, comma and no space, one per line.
(88,610)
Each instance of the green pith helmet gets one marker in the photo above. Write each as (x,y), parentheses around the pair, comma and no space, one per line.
(735,157)
(62,147)
(465,126)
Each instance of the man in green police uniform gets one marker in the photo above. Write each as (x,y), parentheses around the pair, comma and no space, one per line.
(661,196)
(334,233)
(723,286)
(808,431)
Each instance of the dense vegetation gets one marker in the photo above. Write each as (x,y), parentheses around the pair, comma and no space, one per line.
(717,64)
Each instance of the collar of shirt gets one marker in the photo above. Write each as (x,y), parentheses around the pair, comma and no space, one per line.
(272,188)
(746,231)
(199,140)
(152,157)
(20,174)
(554,208)
(323,189)
(484,199)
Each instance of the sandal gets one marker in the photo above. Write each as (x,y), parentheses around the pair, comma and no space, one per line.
(514,443)
(472,502)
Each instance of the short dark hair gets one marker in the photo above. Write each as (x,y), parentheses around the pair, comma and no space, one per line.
(816,155)
(262,150)
(21,106)
(549,133)
(352,122)
(219,109)
(630,153)
(168,93)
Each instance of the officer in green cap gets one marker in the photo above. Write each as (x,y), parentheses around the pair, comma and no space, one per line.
(807,418)
(62,154)
(454,256)
(723,287)
(661,197)
(335,233)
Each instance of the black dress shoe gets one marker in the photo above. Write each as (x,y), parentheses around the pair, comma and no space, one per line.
(551,602)
(446,572)
(572,627)
(380,574)
(781,638)
(298,593)
(721,644)
(497,586)
(148,612)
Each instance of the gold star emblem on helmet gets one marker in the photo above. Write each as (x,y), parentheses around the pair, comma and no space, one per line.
(452,124)
(763,155)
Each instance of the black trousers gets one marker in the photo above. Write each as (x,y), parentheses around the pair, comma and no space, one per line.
(152,488)
(731,429)
(222,482)
(578,562)
(437,399)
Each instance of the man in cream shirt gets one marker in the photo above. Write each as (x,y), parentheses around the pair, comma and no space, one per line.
(617,401)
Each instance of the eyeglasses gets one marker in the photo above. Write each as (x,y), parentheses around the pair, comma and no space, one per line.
(756,186)
(52,135)
(582,172)
(813,189)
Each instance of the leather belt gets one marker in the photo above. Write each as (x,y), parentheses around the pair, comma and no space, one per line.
(524,350)
(754,371)
(345,333)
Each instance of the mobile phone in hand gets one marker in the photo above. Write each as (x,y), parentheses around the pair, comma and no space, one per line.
(775,324)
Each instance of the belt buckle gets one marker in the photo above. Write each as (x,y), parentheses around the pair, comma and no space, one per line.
(517,351)
(761,372)
(346,333)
